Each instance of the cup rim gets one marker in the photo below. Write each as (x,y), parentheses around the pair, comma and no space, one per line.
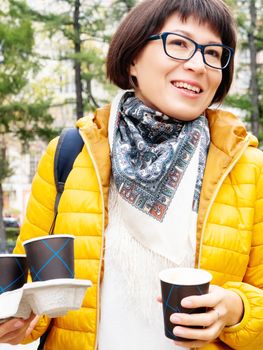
(207,276)
(47,237)
(10,255)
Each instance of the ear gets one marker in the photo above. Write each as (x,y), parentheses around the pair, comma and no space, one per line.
(133,70)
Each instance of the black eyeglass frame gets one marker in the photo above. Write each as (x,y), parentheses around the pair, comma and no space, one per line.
(163,36)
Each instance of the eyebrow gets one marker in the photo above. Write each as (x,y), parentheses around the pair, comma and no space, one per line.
(186,33)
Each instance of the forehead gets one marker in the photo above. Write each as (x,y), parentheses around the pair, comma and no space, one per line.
(192,27)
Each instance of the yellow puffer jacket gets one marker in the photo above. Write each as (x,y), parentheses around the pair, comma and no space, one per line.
(229,237)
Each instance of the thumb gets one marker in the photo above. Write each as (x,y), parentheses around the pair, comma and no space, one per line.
(32,325)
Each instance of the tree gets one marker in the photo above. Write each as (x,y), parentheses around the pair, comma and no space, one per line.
(250,28)
(81,26)
(85,29)
(22,115)
(120,7)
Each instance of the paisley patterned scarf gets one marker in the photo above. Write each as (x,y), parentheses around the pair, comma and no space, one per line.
(151,153)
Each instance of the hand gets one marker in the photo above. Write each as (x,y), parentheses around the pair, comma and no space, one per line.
(15,330)
(225,309)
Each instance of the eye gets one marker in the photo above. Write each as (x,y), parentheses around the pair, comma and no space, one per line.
(213,52)
(176,42)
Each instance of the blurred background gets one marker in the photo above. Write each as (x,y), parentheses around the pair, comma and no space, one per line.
(52,72)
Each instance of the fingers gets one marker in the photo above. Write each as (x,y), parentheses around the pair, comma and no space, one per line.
(15,337)
(14,330)
(159,299)
(10,326)
(203,320)
(198,334)
(209,300)
(217,314)
(32,325)
(204,327)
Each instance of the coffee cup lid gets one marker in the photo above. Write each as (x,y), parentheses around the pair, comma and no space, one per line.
(47,237)
(10,255)
(185,276)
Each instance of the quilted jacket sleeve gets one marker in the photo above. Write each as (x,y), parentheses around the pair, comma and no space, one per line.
(40,214)
(248,334)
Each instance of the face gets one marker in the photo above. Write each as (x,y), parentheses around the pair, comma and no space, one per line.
(179,89)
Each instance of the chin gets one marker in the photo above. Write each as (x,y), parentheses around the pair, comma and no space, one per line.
(181,111)
(183,116)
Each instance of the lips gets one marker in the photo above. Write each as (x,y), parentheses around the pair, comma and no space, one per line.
(187,86)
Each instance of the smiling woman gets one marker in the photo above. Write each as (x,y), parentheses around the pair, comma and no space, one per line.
(163,181)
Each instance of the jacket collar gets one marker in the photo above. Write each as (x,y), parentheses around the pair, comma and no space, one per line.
(94,131)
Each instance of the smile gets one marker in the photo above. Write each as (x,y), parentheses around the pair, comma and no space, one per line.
(183,85)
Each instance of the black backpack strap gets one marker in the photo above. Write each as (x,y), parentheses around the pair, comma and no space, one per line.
(69,145)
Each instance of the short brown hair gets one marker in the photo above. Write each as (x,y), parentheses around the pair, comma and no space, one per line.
(148,18)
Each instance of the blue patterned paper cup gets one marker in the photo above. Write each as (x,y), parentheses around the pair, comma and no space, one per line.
(176,284)
(13,272)
(50,257)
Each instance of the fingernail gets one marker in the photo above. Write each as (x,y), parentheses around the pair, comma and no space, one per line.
(175,319)
(18,324)
(186,303)
(177,331)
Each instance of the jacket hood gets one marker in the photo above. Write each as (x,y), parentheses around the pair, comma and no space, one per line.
(227,132)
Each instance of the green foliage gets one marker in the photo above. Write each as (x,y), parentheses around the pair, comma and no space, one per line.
(239,101)
(85,30)
(81,27)
(27,120)
(11,233)
(249,29)
(120,7)
(17,39)
(22,115)
(5,170)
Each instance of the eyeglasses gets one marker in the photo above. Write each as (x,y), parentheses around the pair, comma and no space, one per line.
(180,47)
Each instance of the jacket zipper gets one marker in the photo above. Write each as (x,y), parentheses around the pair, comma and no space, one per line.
(103,236)
(219,184)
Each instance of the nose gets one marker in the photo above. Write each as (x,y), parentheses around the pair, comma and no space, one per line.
(196,62)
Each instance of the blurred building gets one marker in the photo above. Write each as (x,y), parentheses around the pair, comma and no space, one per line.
(55,80)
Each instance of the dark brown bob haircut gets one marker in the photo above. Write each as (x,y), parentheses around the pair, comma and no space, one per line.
(148,17)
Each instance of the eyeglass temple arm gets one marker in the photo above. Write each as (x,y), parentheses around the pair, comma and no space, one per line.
(154,37)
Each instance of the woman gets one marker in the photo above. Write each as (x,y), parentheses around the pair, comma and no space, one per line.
(185,188)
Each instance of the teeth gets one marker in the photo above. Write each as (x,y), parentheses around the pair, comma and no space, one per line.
(180,84)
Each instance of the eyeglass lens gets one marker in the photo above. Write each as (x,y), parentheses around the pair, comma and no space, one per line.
(183,48)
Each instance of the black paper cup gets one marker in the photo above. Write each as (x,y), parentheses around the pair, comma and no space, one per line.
(13,272)
(176,284)
(50,257)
